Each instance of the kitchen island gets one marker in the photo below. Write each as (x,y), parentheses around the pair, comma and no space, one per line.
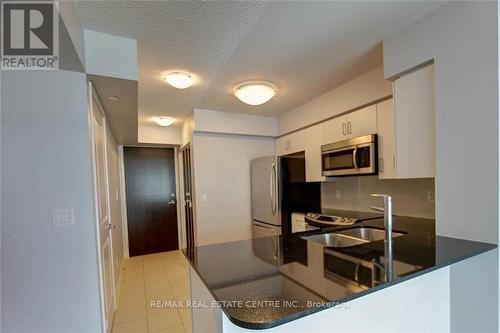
(305,285)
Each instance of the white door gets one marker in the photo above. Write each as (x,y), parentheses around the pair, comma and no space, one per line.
(102,203)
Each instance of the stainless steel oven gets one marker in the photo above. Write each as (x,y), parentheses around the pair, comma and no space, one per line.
(355,156)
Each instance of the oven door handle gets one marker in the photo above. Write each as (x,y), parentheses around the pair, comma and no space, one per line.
(355,157)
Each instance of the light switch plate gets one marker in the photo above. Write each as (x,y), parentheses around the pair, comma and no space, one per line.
(63,217)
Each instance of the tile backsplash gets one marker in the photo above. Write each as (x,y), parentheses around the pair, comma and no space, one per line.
(410,197)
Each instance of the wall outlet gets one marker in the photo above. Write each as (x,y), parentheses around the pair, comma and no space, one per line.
(338,194)
(63,217)
(430,196)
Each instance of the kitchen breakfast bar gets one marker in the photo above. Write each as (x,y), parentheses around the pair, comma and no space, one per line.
(307,285)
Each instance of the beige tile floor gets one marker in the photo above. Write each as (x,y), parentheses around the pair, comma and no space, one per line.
(160,277)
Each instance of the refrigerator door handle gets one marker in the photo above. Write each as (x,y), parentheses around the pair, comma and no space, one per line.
(273,189)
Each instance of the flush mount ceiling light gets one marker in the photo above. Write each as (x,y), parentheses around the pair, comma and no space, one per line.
(164,121)
(255,92)
(113,98)
(179,80)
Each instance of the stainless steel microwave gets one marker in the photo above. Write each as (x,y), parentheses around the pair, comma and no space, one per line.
(351,157)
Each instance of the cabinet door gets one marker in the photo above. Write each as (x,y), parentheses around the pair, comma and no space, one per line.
(415,124)
(362,122)
(296,142)
(386,139)
(335,130)
(313,137)
(282,145)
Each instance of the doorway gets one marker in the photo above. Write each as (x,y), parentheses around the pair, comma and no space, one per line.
(151,200)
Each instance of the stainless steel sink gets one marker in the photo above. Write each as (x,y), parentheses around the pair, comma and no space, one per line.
(335,240)
(368,234)
(350,237)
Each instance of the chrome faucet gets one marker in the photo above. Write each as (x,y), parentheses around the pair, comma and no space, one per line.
(387,209)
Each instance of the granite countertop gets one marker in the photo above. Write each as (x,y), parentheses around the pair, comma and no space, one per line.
(274,285)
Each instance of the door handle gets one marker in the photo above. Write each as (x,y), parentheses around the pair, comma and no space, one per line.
(272,189)
(262,227)
(355,157)
(111,226)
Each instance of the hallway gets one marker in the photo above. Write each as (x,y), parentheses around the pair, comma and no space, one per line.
(153,278)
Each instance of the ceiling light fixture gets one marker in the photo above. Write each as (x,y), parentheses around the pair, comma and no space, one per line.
(164,121)
(255,92)
(113,98)
(179,80)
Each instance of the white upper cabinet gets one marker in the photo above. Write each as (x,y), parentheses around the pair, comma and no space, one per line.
(291,143)
(282,145)
(406,128)
(335,129)
(313,138)
(362,122)
(357,123)
(386,140)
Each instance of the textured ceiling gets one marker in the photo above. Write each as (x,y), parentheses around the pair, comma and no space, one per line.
(306,48)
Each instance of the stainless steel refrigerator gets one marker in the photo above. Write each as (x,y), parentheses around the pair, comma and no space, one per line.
(266,217)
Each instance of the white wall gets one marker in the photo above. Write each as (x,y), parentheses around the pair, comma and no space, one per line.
(115,201)
(49,278)
(234,123)
(159,135)
(109,55)
(362,90)
(222,177)
(462,38)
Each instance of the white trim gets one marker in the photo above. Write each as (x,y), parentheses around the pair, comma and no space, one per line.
(96,210)
(108,203)
(123,203)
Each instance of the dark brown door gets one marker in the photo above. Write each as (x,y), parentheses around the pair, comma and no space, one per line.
(151,201)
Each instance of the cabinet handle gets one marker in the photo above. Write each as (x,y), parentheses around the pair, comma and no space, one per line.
(343,129)
(381,165)
(394,161)
(349,127)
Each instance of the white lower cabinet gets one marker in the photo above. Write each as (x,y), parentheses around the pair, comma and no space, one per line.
(313,138)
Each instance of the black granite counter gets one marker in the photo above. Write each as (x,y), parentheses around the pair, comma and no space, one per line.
(266,282)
